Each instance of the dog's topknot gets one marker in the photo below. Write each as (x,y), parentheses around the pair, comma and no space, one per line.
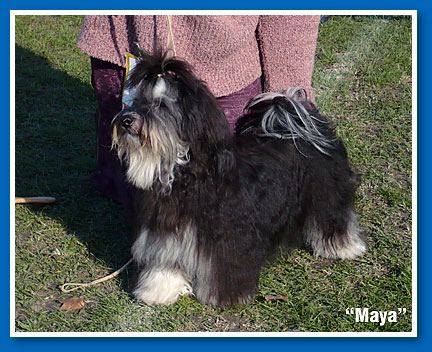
(150,67)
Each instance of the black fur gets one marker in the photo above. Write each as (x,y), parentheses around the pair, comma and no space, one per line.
(233,200)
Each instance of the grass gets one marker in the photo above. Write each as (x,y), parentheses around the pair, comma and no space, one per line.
(362,79)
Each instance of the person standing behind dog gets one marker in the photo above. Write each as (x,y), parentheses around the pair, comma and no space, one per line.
(237,56)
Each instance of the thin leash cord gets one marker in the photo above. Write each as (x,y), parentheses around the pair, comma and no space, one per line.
(95,282)
(170,38)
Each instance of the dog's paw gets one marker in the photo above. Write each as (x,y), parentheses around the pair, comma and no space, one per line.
(161,287)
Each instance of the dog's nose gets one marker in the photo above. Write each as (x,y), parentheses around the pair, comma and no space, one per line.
(127,121)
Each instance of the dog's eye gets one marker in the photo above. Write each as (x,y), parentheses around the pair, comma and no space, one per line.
(157,104)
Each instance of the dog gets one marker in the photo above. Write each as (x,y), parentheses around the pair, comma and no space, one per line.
(213,207)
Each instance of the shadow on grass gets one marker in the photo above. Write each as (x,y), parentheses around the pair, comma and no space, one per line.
(55,156)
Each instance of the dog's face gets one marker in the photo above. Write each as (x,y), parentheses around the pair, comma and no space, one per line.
(148,138)
(174,118)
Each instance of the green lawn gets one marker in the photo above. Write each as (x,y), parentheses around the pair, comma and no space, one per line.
(362,79)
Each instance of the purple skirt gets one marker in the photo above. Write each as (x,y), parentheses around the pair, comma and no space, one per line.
(233,105)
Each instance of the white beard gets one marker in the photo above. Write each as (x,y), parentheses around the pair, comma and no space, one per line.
(146,165)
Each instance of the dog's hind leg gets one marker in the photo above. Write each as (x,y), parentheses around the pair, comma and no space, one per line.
(338,237)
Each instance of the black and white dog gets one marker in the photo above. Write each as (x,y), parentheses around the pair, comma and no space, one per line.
(212,207)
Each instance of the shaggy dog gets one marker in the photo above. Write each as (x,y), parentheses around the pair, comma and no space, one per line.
(211,206)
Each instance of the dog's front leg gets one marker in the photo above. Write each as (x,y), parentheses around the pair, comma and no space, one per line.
(160,280)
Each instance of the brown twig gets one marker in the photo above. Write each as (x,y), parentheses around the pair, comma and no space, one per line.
(34,200)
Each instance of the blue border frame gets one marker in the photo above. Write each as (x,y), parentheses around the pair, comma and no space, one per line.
(422,342)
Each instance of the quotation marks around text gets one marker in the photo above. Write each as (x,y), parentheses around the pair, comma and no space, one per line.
(364,315)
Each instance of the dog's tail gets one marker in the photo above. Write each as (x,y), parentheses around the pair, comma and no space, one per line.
(287,115)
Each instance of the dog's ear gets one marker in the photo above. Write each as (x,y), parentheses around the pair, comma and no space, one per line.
(205,127)
(204,120)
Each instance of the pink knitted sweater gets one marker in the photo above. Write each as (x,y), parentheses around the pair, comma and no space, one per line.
(228,52)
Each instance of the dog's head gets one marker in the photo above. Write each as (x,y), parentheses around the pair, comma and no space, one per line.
(174,120)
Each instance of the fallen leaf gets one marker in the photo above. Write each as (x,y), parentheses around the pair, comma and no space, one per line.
(72,303)
(277,297)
